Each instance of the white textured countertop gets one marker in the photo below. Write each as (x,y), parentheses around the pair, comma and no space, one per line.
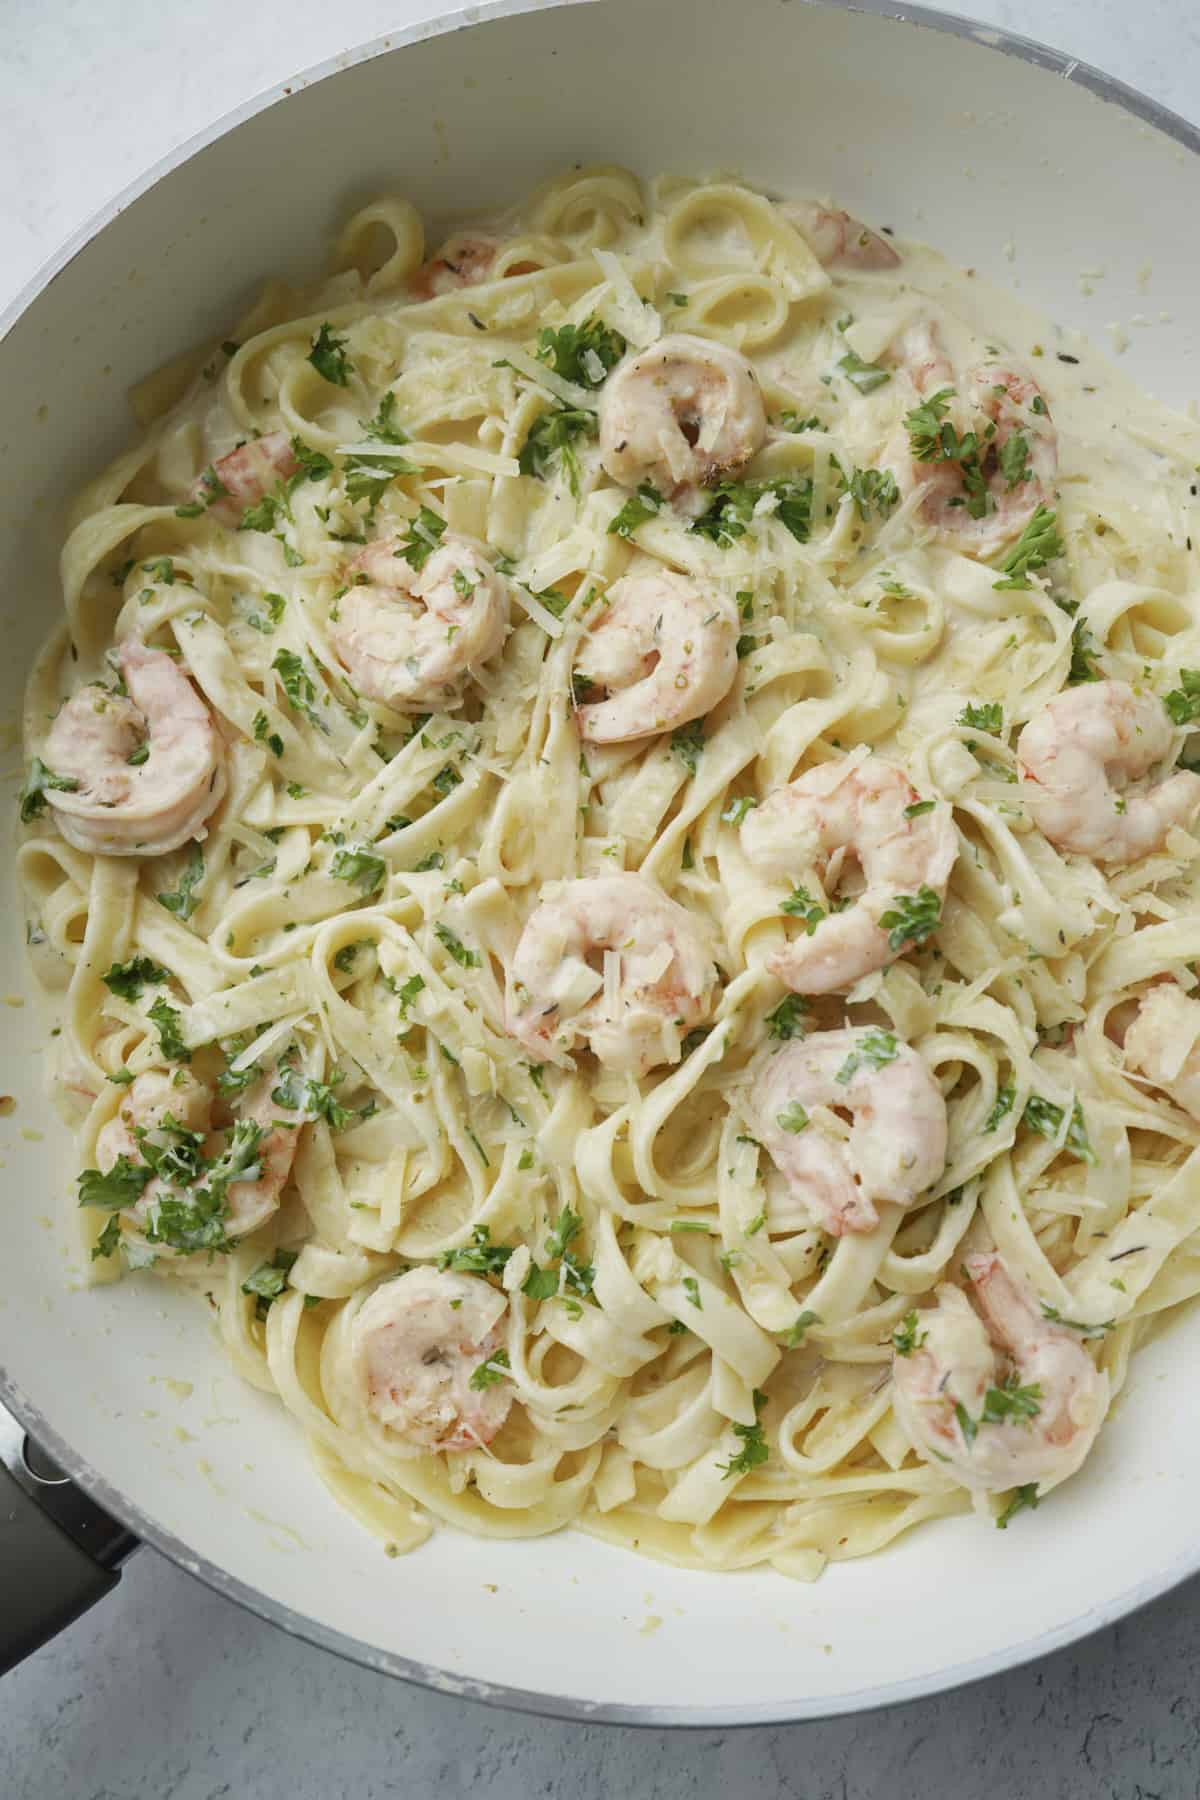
(166,1692)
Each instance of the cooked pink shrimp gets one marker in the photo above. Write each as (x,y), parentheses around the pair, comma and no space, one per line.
(682,413)
(837,240)
(407,634)
(1074,755)
(158,1108)
(978,501)
(417,1343)
(896,1144)
(998,1421)
(664,647)
(612,961)
(859,813)
(147,769)
(1163,1044)
(462,261)
(245,475)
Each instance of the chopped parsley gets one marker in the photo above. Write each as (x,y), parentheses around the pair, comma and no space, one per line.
(298,685)
(1014,459)
(408,990)
(733,507)
(1005,1096)
(487,1374)
(169,1021)
(304,1094)
(801,905)
(424,536)
(873,488)
(793,1118)
(737,809)
(1083,666)
(924,426)
(269,1280)
(1182,703)
(479,1257)
(911,918)
(687,743)
(787,1020)
(583,353)
(1081,1326)
(1024,1496)
(264,735)
(691,1288)
(184,901)
(361,866)
(328,357)
(551,444)
(645,504)
(115,1188)
(39,781)
(865,376)
(454,947)
(908,1336)
(987,716)
(875,1049)
(754,1451)
(1044,1117)
(918,808)
(126,980)
(798,1331)
(1037,545)
(1011,1403)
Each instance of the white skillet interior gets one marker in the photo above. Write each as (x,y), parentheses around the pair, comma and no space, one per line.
(923,130)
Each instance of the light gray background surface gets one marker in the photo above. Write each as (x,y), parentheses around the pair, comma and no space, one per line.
(166,1692)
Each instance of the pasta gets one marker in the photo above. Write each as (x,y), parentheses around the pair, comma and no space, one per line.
(604,826)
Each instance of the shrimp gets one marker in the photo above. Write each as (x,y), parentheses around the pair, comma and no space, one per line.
(1036,1423)
(862,813)
(987,456)
(656,978)
(665,650)
(1073,754)
(462,261)
(241,478)
(680,414)
(407,634)
(1163,1044)
(896,1144)
(147,768)
(837,240)
(166,1120)
(417,1343)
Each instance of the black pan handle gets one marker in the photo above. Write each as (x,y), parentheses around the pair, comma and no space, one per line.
(59,1551)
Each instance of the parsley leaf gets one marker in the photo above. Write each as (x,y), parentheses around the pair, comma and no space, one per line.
(488,1373)
(1005,1096)
(793,1118)
(907,1336)
(911,918)
(733,506)
(1024,1496)
(1083,655)
(479,1257)
(384,426)
(184,901)
(865,376)
(583,353)
(1085,1330)
(1037,545)
(551,444)
(115,1188)
(687,743)
(269,1280)
(801,905)
(797,1331)
(691,1288)
(875,1049)
(298,685)
(647,503)
(786,1021)
(360,865)
(919,807)
(873,488)
(170,1040)
(754,1451)
(1182,703)
(924,426)
(1044,1117)
(1014,459)
(126,980)
(264,735)
(37,783)
(454,946)
(987,716)
(304,1094)
(328,357)
(1010,1402)
(424,536)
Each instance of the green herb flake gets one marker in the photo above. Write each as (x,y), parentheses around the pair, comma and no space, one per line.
(876,1048)
(328,357)
(38,782)
(184,900)
(911,918)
